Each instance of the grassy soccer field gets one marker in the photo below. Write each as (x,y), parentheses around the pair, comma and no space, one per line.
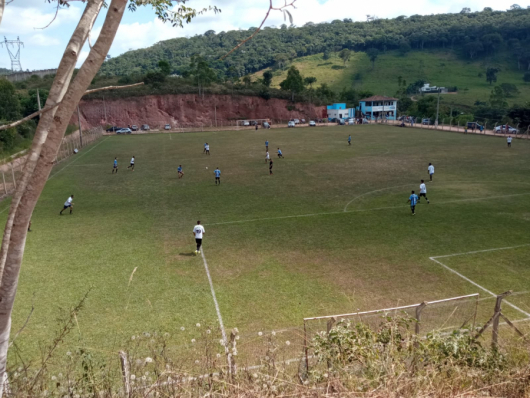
(330,232)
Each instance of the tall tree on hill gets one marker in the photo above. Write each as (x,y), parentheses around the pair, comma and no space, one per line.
(165,67)
(498,98)
(293,82)
(491,75)
(267,78)
(310,80)
(201,72)
(345,55)
(372,53)
(473,48)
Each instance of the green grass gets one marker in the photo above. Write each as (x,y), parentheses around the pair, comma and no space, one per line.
(439,68)
(269,272)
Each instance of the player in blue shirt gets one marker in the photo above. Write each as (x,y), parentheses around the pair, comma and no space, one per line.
(181,173)
(413,199)
(115,168)
(217,173)
(280,155)
(204,151)
(349,140)
(267,146)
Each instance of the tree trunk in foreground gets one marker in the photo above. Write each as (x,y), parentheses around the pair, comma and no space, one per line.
(44,151)
(2,6)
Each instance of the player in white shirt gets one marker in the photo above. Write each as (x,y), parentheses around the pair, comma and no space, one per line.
(131,166)
(509,141)
(423,192)
(68,204)
(431,170)
(198,232)
(267,157)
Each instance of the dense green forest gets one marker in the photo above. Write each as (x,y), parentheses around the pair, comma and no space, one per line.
(4,71)
(472,35)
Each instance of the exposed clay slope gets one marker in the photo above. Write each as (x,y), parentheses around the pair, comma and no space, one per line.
(189,110)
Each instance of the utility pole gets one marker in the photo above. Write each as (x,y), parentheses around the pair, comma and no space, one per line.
(15,56)
(437,108)
(38,99)
(105,108)
(80,131)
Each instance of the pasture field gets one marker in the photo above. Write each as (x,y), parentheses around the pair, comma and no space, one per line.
(330,232)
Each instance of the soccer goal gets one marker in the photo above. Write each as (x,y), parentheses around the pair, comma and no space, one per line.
(440,315)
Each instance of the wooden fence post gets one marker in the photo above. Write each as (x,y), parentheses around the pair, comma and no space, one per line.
(4,178)
(419,309)
(125,373)
(496,317)
(13,173)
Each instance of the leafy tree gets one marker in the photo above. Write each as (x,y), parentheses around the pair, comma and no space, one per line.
(165,67)
(510,90)
(404,47)
(155,79)
(29,103)
(520,115)
(326,55)
(514,7)
(310,80)
(498,98)
(372,53)
(7,138)
(9,103)
(201,72)
(491,75)
(247,80)
(465,10)
(345,55)
(491,41)
(473,48)
(293,82)
(267,78)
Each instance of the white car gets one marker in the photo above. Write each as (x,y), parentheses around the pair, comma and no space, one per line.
(167,127)
(296,121)
(124,131)
(502,129)
(291,124)
(312,123)
(246,123)
(351,121)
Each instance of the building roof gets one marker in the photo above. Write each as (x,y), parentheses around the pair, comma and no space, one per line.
(378,98)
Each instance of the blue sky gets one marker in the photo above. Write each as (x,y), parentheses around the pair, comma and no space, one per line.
(43,48)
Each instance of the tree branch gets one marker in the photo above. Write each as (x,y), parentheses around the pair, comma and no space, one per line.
(54,17)
(38,113)
(271,8)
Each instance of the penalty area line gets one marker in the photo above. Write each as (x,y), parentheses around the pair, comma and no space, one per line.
(475,283)
(219,317)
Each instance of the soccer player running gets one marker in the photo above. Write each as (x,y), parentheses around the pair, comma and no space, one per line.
(270,167)
(131,166)
(280,155)
(217,173)
(204,150)
(413,199)
(181,173)
(509,141)
(69,204)
(423,192)
(207,148)
(198,232)
(267,146)
(349,140)
(431,170)
(267,157)
(115,167)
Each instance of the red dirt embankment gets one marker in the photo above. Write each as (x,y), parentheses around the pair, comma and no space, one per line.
(186,110)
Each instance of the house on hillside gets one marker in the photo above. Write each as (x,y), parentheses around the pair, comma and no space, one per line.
(378,107)
(339,111)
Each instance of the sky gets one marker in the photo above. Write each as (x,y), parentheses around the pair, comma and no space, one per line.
(44,46)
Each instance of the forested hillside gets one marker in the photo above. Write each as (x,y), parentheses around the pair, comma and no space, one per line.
(472,35)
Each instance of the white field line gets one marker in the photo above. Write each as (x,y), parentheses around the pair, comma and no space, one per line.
(474,283)
(365,210)
(76,159)
(219,317)
(49,178)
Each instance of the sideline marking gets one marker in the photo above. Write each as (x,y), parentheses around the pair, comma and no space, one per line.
(474,283)
(53,175)
(215,301)
(364,210)
(83,154)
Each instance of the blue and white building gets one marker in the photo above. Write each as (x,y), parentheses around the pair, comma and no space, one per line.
(378,107)
(339,111)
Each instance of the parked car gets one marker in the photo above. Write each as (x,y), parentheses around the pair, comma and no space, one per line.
(266,125)
(303,120)
(291,124)
(124,131)
(426,121)
(113,129)
(145,127)
(351,121)
(312,123)
(502,129)
(296,121)
(341,122)
(134,127)
(474,126)
(167,127)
